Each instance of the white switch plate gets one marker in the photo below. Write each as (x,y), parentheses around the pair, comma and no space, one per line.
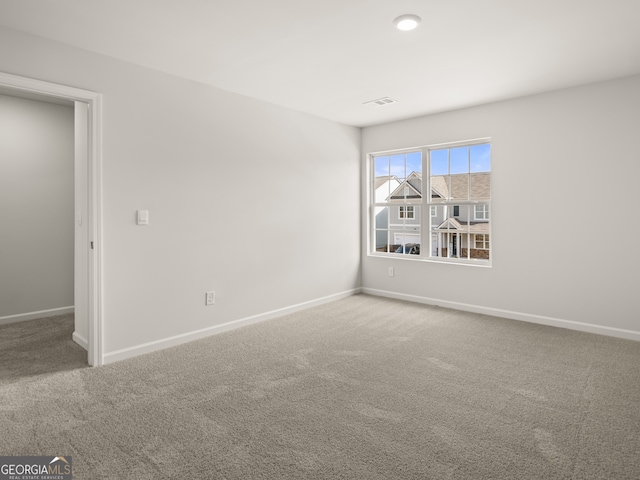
(143,217)
(391,271)
(210,298)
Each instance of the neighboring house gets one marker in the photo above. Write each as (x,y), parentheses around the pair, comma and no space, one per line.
(383,188)
(404,223)
(456,230)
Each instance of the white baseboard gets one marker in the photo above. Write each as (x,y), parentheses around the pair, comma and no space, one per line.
(496,312)
(21,317)
(206,332)
(80,340)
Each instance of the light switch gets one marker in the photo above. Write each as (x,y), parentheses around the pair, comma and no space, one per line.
(143,217)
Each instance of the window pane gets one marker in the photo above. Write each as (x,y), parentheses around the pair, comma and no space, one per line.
(403,216)
(381,240)
(383,184)
(437,215)
(414,190)
(481,212)
(440,188)
(460,160)
(381,215)
(409,212)
(440,162)
(439,244)
(414,162)
(408,248)
(481,158)
(460,186)
(398,167)
(466,246)
(381,166)
(406,241)
(480,186)
(465,215)
(481,247)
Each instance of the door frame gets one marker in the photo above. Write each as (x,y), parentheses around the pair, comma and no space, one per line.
(94,195)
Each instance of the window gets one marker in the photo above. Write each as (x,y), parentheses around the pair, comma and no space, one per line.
(406,212)
(482,241)
(397,198)
(455,195)
(481,212)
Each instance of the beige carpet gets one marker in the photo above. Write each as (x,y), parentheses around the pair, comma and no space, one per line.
(363,388)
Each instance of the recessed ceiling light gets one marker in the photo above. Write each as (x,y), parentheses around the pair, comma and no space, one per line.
(407,22)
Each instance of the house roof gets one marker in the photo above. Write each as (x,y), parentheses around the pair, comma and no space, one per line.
(472,227)
(439,187)
(379,181)
(413,182)
(463,186)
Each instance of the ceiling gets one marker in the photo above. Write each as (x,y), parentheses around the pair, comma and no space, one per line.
(328,57)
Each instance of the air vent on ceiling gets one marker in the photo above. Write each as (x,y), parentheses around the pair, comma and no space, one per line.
(380,102)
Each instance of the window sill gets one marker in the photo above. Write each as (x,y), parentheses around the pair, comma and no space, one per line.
(421,258)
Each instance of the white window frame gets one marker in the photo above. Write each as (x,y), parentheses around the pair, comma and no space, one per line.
(427,216)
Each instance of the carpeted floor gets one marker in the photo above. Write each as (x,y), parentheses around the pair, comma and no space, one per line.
(38,347)
(362,388)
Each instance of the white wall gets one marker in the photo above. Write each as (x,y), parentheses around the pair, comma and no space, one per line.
(180,149)
(36,207)
(565,194)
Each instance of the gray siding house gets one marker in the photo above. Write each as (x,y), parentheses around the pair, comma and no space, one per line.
(455,230)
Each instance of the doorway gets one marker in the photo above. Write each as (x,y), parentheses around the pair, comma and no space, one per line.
(87,106)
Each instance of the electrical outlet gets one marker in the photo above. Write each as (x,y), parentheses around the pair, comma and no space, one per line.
(210,298)
(391,272)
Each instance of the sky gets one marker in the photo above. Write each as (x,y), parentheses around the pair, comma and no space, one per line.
(467,159)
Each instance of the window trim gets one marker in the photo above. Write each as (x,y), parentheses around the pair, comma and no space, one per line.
(425,216)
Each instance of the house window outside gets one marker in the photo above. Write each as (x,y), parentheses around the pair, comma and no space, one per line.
(457,226)
(482,241)
(481,212)
(406,212)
